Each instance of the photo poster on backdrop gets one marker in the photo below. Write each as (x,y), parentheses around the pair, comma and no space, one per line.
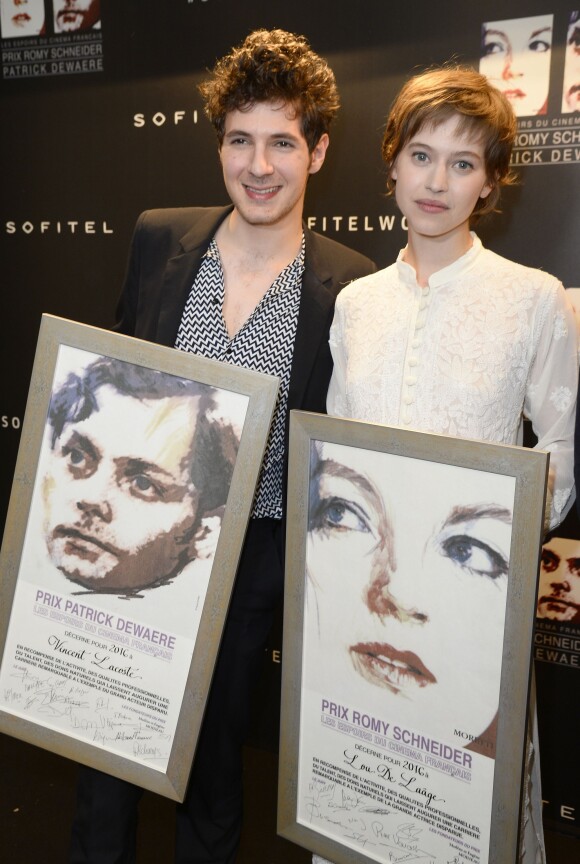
(408,623)
(121,547)
(517,57)
(557,662)
(40,38)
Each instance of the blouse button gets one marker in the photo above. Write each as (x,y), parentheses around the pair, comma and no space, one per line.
(410,380)
(415,343)
(413,360)
(408,399)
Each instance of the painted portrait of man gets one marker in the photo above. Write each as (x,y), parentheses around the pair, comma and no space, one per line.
(137,476)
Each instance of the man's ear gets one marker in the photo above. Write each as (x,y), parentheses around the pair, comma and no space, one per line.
(204,543)
(318,155)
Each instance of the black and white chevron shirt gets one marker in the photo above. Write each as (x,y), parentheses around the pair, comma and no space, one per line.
(264,343)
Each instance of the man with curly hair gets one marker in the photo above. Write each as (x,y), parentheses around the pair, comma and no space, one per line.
(138,466)
(247,284)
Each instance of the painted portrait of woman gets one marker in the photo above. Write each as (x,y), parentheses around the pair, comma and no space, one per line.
(407,572)
(515,58)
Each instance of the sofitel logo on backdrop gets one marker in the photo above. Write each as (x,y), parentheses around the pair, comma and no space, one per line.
(160,118)
(7,422)
(326,224)
(70,226)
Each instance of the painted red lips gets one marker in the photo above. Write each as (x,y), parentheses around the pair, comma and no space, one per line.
(384,665)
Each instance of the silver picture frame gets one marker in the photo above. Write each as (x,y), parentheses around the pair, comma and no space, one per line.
(110,622)
(381,755)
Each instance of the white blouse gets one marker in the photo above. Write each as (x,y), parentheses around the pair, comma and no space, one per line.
(485,342)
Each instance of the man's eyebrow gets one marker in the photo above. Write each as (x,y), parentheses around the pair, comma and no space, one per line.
(80,441)
(478,511)
(140,466)
(285,135)
(235,133)
(277,136)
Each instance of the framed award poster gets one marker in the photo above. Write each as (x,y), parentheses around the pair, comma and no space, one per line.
(412,563)
(133,486)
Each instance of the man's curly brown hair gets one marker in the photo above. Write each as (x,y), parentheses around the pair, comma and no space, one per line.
(273,66)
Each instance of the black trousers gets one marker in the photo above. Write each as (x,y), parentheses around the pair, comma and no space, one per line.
(209,822)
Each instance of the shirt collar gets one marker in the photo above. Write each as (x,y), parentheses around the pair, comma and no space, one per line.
(447,274)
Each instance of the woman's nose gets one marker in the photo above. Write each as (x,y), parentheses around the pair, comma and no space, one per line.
(391,593)
(437,179)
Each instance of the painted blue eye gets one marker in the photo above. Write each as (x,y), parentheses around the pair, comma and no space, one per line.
(79,462)
(339,515)
(142,486)
(475,556)
(143,483)
(76,457)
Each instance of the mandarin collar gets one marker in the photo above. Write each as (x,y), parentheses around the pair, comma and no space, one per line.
(409,276)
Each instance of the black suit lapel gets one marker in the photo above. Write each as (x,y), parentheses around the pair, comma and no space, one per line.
(181,270)
(314,318)
(180,273)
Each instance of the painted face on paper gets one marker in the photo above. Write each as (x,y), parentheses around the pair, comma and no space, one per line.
(21,18)
(440,175)
(407,583)
(120,505)
(559,591)
(266,163)
(515,58)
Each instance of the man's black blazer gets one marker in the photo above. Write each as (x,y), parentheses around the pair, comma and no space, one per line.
(165,256)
